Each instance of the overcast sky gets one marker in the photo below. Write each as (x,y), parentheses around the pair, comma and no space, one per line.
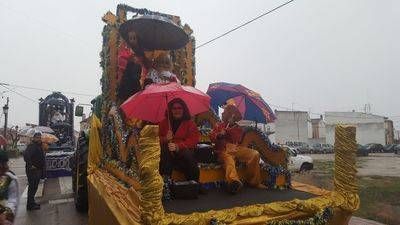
(325,55)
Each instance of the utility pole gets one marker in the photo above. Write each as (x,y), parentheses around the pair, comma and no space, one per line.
(298,128)
(5,111)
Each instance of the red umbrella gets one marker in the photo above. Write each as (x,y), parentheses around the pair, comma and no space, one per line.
(3,140)
(151,103)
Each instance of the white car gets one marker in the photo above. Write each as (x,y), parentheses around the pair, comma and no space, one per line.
(299,163)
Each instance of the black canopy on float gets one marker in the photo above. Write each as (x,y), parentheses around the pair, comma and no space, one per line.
(155,32)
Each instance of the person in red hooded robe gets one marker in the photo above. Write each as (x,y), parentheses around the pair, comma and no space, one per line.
(133,67)
(178,139)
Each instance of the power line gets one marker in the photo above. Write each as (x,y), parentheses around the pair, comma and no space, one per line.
(46,90)
(16,92)
(244,24)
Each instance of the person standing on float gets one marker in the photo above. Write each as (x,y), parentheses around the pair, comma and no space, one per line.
(133,67)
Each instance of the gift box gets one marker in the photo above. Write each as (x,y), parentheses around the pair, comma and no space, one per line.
(185,189)
(205,154)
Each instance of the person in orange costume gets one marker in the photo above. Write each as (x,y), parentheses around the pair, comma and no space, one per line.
(227,135)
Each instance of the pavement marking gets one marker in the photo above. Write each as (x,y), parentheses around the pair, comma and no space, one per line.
(39,192)
(25,193)
(65,185)
(61,201)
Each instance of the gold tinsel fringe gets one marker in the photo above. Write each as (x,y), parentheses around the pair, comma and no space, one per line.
(345,166)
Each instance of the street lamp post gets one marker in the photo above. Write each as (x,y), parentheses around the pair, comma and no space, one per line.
(5,111)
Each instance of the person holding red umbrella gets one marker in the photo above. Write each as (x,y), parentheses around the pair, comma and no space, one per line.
(178,139)
(178,133)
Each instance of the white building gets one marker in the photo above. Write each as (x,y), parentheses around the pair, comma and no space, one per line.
(370,128)
(292,126)
(396,136)
(317,132)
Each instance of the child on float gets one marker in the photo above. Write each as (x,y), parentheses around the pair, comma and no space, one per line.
(161,71)
(227,136)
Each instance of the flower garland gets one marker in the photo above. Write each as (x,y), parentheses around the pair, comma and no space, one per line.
(9,215)
(132,162)
(166,194)
(320,218)
(274,172)
(105,141)
(209,166)
(214,185)
(214,221)
(129,171)
(113,139)
(4,184)
(105,62)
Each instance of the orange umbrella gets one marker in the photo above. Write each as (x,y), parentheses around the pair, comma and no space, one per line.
(49,138)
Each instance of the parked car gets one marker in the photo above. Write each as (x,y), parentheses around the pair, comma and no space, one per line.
(298,162)
(389,148)
(316,148)
(321,148)
(304,148)
(396,149)
(362,150)
(327,148)
(301,147)
(374,148)
(293,144)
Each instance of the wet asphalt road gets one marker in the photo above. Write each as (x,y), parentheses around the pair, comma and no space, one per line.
(55,197)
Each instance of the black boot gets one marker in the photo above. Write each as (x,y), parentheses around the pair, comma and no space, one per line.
(235,187)
(33,206)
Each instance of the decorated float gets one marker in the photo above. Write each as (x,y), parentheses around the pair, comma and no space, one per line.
(117,159)
(56,123)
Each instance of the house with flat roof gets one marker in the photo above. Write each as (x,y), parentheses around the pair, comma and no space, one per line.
(370,128)
(292,126)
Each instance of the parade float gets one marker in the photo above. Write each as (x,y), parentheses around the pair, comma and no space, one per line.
(56,123)
(117,158)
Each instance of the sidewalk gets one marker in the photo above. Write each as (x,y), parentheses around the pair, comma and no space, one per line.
(360,221)
(55,196)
